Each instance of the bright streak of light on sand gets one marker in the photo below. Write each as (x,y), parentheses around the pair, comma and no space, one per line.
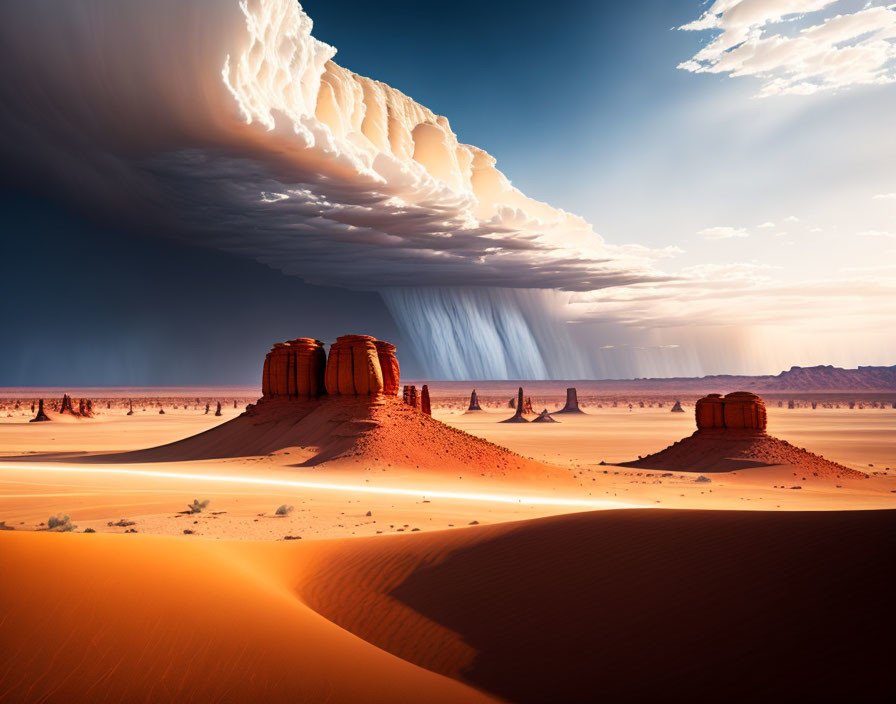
(495,498)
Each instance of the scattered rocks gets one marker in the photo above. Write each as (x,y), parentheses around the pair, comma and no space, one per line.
(474,402)
(41,415)
(572,402)
(545,417)
(197,506)
(518,416)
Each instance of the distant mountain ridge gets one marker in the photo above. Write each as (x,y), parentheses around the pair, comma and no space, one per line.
(818,378)
(829,378)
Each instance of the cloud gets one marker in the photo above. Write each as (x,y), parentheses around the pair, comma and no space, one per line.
(877,233)
(885,196)
(722,233)
(791,218)
(766,225)
(226,124)
(797,47)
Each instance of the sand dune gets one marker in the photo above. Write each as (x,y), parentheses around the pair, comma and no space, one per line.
(633,605)
(627,605)
(176,620)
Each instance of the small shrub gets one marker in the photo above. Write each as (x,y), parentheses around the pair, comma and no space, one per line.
(197,506)
(284,510)
(60,523)
(89,530)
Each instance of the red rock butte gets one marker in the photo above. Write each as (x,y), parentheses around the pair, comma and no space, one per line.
(358,365)
(731,436)
(344,410)
(740,411)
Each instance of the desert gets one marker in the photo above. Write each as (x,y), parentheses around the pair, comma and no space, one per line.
(541,555)
(533,353)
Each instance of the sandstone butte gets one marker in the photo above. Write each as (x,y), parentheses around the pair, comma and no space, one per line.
(738,411)
(731,435)
(572,402)
(358,365)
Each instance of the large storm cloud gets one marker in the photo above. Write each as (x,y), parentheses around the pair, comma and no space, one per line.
(227,124)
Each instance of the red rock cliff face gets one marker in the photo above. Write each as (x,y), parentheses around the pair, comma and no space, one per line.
(353,367)
(389,364)
(738,411)
(294,369)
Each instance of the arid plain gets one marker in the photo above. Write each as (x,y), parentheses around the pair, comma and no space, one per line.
(235,599)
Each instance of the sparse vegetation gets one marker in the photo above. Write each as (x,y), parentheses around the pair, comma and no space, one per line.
(61,523)
(284,510)
(197,506)
(3,526)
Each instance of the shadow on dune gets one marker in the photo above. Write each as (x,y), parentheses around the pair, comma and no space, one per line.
(638,605)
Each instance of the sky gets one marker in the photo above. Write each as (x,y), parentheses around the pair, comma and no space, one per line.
(720,179)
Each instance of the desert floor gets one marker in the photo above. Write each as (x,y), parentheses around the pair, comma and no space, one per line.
(225,608)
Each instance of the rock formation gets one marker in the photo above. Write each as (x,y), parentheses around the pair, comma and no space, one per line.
(518,416)
(572,403)
(353,367)
(389,365)
(739,411)
(677,408)
(294,369)
(41,416)
(207,408)
(731,436)
(425,406)
(67,406)
(218,409)
(545,417)
(527,407)
(130,408)
(412,396)
(474,402)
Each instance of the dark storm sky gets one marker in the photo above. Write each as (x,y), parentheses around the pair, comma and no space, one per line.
(86,304)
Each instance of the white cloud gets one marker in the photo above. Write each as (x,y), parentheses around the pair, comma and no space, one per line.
(877,233)
(722,233)
(766,225)
(791,218)
(885,196)
(832,51)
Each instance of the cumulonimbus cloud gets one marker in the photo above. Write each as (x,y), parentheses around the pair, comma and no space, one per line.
(227,124)
(798,47)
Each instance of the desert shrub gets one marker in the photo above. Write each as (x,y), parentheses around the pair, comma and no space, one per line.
(61,523)
(197,506)
(283,510)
